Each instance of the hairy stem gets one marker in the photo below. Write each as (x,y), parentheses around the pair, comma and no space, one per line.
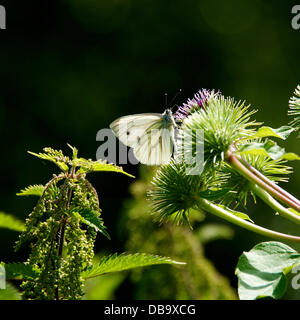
(246,173)
(271,183)
(226,215)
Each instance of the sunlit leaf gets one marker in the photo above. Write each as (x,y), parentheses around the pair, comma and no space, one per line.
(92,219)
(268,149)
(35,190)
(262,271)
(87,166)
(282,132)
(116,263)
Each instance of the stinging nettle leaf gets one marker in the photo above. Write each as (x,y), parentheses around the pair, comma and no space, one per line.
(116,263)
(262,271)
(91,218)
(87,166)
(35,190)
(53,156)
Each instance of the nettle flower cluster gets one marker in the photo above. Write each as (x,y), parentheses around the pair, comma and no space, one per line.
(240,160)
(61,231)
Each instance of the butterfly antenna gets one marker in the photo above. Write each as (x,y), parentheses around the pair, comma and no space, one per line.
(166,99)
(176,95)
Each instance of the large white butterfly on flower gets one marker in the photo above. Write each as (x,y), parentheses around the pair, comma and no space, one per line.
(150,135)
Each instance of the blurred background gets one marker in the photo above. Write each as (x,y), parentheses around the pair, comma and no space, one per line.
(71,67)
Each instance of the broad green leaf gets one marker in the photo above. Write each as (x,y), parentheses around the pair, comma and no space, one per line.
(20,270)
(35,190)
(238,214)
(10,293)
(268,149)
(87,166)
(116,263)
(10,222)
(91,218)
(262,271)
(282,132)
(54,156)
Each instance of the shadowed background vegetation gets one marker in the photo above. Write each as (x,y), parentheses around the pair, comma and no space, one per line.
(70,67)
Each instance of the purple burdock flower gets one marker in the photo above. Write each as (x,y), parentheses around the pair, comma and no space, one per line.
(198,102)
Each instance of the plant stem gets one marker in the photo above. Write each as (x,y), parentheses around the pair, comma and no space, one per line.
(268,181)
(224,214)
(246,173)
(271,202)
(62,231)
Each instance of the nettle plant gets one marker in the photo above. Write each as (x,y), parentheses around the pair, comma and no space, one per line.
(61,231)
(240,160)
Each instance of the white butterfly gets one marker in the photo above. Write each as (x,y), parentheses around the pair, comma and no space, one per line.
(151,135)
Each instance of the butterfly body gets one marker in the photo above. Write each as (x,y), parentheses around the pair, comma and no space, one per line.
(151,135)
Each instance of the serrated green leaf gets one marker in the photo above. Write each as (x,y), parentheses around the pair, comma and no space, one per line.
(35,190)
(262,271)
(238,214)
(53,156)
(20,270)
(8,221)
(116,263)
(87,166)
(268,149)
(282,132)
(91,218)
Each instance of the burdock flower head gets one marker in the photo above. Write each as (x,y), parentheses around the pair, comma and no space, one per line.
(198,102)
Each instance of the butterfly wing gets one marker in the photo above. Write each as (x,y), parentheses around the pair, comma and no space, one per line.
(130,129)
(155,147)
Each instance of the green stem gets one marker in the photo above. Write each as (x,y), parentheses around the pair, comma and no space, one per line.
(246,173)
(268,181)
(275,205)
(226,215)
